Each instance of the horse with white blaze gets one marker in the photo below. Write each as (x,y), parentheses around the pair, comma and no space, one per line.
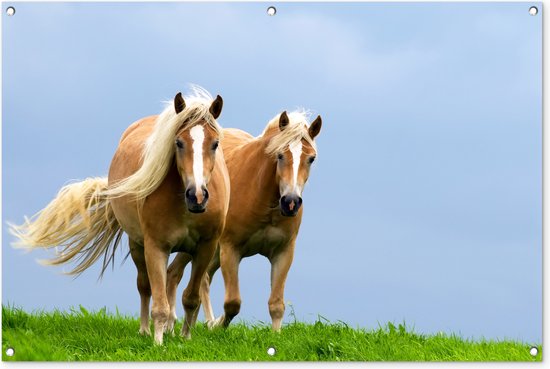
(267,174)
(167,189)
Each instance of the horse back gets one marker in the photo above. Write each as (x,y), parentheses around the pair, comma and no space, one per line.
(234,138)
(145,125)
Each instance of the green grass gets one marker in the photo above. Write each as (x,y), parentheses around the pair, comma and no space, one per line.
(80,335)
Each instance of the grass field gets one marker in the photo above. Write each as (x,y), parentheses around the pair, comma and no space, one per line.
(80,335)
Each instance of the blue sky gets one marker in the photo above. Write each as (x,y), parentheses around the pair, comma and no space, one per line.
(432,117)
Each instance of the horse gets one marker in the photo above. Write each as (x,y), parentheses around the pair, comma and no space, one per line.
(267,176)
(167,189)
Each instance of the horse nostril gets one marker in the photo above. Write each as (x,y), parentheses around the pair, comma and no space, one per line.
(189,193)
(299,201)
(205,193)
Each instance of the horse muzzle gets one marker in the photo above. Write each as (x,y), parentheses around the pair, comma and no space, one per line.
(196,202)
(290,204)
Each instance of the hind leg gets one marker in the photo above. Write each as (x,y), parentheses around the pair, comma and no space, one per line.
(174,275)
(144,288)
(205,289)
(191,295)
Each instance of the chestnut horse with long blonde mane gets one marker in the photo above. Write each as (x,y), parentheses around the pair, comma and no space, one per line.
(168,189)
(268,174)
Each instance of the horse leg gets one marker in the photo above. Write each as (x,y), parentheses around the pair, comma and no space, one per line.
(229,259)
(144,288)
(191,295)
(156,259)
(205,289)
(173,278)
(280,265)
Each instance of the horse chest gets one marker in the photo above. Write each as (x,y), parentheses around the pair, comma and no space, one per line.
(183,239)
(264,241)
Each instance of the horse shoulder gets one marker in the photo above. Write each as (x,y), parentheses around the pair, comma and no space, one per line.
(162,217)
(125,162)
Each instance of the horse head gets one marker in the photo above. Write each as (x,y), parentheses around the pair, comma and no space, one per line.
(293,164)
(196,144)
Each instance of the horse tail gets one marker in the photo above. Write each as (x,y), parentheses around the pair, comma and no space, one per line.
(79,223)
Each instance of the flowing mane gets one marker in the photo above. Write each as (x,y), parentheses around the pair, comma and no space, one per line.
(297,129)
(159,149)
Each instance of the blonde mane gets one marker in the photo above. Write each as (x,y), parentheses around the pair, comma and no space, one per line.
(159,147)
(296,129)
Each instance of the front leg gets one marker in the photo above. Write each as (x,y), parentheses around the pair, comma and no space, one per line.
(175,273)
(280,265)
(229,260)
(156,258)
(191,297)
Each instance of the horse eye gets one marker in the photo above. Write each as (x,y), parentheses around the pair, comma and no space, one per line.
(179,144)
(280,156)
(215,145)
(311,159)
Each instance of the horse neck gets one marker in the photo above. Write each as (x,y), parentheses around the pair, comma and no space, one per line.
(263,176)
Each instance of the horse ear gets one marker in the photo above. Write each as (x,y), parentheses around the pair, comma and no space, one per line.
(315,127)
(216,107)
(179,103)
(283,120)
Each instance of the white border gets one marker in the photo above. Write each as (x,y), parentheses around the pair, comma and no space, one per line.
(319,364)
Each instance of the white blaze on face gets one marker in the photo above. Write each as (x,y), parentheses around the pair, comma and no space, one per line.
(197,134)
(296,150)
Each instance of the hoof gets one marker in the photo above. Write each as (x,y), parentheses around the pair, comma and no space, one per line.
(158,338)
(145,331)
(185,335)
(210,324)
(213,324)
(169,327)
